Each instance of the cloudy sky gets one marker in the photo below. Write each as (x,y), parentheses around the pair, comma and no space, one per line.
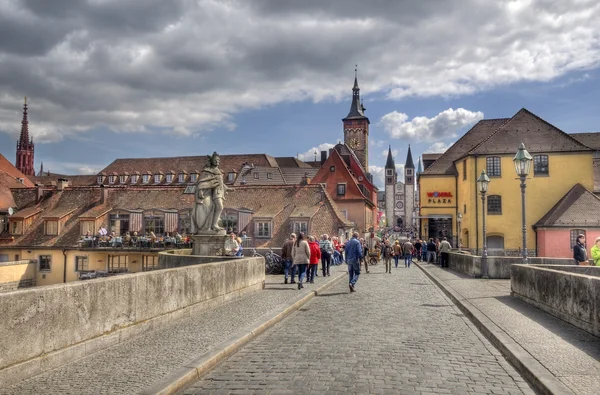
(111,79)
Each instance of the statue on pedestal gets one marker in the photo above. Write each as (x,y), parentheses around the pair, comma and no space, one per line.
(209,197)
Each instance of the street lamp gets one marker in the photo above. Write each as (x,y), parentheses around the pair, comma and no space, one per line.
(522,162)
(482,185)
(458,222)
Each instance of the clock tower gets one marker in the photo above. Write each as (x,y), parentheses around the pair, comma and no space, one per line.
(356,127)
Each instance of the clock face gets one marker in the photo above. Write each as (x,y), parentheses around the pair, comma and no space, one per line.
(399,205)
(354,143)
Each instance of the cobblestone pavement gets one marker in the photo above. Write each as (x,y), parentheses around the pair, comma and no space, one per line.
(129,367)
(398,334)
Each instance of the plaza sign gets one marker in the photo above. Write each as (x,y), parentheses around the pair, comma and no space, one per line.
(439,197)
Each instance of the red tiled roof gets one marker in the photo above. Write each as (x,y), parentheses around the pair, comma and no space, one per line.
(27,212)
(13,172)
(74,180)
(578,208)
(186,163)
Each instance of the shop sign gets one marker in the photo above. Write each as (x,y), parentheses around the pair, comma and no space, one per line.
(439,197)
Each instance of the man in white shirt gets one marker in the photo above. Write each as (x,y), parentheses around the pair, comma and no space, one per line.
(445,248)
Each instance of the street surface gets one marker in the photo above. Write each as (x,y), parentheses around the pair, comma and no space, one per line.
(398,334)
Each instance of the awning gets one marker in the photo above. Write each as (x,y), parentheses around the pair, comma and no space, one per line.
(435,216)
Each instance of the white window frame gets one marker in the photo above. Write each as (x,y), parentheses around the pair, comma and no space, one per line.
(230,176)
(337,190)
(181,177)
(134,179)
(260,229)
(300,226)
(123,179)
(112,179)
(51,223)
(157,178)
(99,179)
(256,175)
(85,263)
(169,178)
(146,178)
(194,177)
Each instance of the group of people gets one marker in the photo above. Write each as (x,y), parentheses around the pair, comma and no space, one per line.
(234,245)
(580,252)
(128,239)
(301,256)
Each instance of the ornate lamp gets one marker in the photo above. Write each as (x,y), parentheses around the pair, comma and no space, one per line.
(482,185)
(522,161)
(458,223)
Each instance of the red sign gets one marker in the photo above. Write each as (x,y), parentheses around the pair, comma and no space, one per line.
(439,194)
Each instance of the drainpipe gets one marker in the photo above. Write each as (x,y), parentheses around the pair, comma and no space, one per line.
(64,251)
(476,210)
(456,211)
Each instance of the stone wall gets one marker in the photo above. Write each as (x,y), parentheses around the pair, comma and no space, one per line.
(571,293)
(44,327)
(498,266)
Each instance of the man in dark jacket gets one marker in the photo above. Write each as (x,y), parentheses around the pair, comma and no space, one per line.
(354,253)
(286,257)
(579,251)
(431,252)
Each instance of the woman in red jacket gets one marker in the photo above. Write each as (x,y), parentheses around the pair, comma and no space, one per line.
(315,258)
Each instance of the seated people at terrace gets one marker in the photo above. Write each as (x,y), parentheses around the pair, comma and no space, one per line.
(240,251)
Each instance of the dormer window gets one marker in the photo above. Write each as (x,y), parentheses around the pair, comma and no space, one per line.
(157,178)
(169,178)
(255,175)
(100,179)
(145,178)
(111,179)
(194,177)
(181,177)
(230,176)
(122,179)
(134,179)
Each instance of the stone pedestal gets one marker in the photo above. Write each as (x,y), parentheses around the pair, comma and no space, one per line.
(208,244)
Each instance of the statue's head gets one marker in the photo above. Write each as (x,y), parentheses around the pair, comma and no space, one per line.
(214,159)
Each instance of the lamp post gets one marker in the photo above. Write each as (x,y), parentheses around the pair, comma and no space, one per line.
(522,161)
(458,222)
(482,185)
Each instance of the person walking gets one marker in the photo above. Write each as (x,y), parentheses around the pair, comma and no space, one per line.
(387,253)
(595,252)
(418,249)
(431,248)
(445,248)
(287,258)
(326,248)
(301,257)
(365,254)
(354,253)
(407,249)
(397,252)
(579,251)
(315,258)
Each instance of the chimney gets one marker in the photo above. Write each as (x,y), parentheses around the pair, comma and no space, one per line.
(103,194)
(323,157)
(62,184)
(39,192)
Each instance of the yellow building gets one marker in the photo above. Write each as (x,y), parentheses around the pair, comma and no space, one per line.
(448,187)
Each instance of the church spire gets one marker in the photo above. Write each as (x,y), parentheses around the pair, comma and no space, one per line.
(419,166)
(409,160)
(389,164)
(356,108)
(24,137)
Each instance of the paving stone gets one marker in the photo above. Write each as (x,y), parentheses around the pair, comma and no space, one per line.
(397,334)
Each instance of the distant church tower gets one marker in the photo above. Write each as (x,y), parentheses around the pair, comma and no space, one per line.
(391,177)
(409,189)
(356,127)
(25,147)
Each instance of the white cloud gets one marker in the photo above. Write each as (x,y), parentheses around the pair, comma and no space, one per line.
(309,155)
(444,125)
(378,173)
(439,147)
(71,168)
(193,65)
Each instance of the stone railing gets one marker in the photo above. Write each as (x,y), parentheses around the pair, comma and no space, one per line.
(567,292)
(45,327)
(498,266)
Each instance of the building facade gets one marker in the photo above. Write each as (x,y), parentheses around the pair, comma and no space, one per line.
(448,186)
(400,196)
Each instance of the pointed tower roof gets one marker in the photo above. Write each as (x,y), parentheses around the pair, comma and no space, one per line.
(409,161)
(24,137)
(390,160)
(419,166)
(356,108)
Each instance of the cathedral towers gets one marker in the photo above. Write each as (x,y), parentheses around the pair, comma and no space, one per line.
(391,178)
(356,127)
(25,147)
(409,191)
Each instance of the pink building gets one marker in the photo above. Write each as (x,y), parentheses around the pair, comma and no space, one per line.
(578,212)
